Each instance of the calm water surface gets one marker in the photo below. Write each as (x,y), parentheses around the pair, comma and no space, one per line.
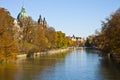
(74,65)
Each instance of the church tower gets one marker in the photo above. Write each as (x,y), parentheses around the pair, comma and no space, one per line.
(40,21)
(22,14)
(44,23)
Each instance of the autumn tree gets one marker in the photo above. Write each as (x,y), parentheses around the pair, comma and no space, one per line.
(50,35)
(70,43)
(111,30)
(40,41)
(109,38)
(27,32)
(8,45)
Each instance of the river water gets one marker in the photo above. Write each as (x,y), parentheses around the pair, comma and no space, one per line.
(82,64)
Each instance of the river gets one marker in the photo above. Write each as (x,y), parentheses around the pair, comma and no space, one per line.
(82,64)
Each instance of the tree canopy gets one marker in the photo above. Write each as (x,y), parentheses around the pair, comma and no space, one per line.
(109,38)
(8,45)
(29,38)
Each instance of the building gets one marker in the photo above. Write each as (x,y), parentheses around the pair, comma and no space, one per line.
(17,27)
(42,22)
(20,23)
(23,14)
(78,40)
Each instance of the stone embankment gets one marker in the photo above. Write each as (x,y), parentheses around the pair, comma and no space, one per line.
(49,52)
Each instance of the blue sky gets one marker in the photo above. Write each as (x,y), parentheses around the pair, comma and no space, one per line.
(78,17)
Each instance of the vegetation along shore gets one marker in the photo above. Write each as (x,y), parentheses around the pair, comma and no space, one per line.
(24,36)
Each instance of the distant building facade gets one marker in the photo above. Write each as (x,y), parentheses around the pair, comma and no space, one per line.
(78,40)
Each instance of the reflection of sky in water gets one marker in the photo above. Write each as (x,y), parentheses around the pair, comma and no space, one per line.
(76,65)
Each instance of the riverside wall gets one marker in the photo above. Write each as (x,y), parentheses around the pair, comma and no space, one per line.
(49,52)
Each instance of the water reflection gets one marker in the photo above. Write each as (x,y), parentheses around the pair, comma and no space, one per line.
(5,71)
(81,64)
(34,68)
(108,70)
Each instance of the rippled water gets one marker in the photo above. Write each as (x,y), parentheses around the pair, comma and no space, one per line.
(75,65)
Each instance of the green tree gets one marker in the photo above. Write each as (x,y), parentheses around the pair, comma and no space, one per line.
(61,40)
(89,41)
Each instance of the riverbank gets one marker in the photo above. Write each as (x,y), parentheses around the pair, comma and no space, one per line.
(115,58)
(49,52)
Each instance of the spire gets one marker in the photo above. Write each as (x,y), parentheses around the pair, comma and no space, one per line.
(44,23)
(23,2)
(40,21)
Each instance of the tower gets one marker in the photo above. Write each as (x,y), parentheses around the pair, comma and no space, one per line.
(44,23)
(40,21)
(22,14)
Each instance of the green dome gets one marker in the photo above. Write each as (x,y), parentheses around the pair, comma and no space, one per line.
(22,14)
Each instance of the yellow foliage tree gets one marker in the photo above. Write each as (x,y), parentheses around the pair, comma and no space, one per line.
(8,47)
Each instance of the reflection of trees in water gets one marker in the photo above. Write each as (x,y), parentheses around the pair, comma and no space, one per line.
(8,71)
(87,50)
(32,67)
(108,70)
(28,68)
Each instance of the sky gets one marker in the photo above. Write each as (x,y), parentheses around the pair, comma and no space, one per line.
(78,17)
